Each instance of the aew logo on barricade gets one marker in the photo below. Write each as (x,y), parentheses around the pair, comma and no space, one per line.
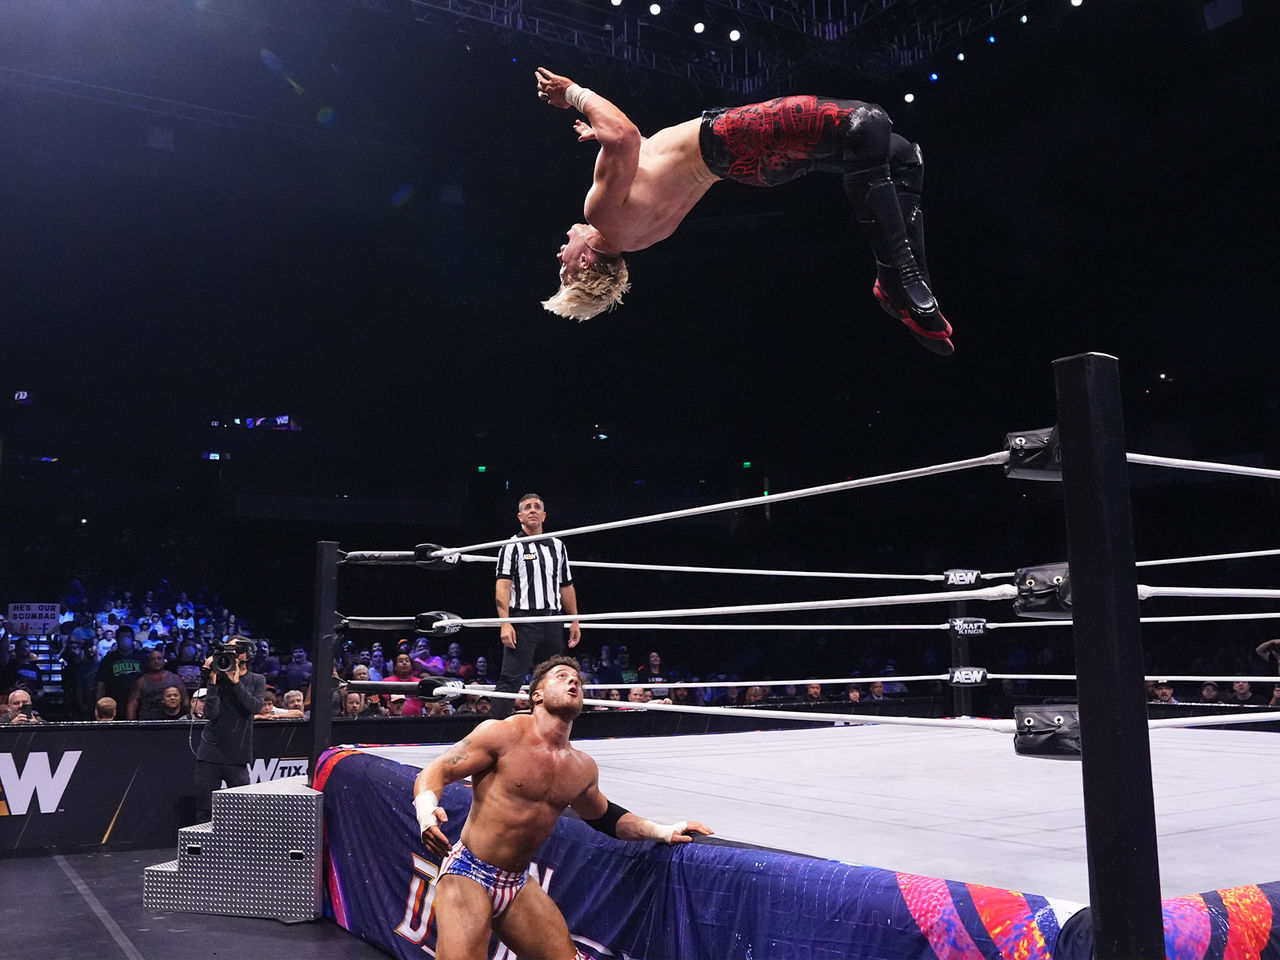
(968,676)
(961,578)
(38,779)
(418,916)
(968,626)
(277,768)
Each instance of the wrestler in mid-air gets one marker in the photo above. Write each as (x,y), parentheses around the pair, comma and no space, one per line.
(644,186)
(524,773)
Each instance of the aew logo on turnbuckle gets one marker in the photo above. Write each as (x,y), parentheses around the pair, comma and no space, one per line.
(968,676)
(419,904)
(961,578)
(37,779)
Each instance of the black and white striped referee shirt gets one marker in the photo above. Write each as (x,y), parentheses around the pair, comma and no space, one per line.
(537,570)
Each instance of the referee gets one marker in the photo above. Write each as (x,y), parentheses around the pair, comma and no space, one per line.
(533,579)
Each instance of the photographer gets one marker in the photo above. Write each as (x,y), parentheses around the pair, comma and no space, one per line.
(234,696)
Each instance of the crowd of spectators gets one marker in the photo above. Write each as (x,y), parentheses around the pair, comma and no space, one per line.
(124,656)
(141,658)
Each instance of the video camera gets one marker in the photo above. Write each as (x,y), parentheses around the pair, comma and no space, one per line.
(226,654)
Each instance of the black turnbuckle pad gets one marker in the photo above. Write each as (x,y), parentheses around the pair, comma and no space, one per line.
(1047,730)
(1034,455)
(1044,592)
(440,687)
(430,623)
(424,554)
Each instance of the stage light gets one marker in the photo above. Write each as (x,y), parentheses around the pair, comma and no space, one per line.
(960,56)
(616,3)
(699,27)
(933,77)
(910,98)
(991,38)
(655,8)
(1023,18)
(735,35)
(1076,3)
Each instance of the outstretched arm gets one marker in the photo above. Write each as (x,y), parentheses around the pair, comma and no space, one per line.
(609,818)
(618,137)
(465,758)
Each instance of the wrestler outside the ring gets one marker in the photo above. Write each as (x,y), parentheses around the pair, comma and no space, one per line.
(524,773)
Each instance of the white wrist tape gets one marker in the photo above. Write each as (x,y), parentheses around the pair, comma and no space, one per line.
(665,831)
(577,96)
(425,805)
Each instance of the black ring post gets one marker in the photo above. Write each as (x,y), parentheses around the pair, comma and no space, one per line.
(324,634)
(1119,807)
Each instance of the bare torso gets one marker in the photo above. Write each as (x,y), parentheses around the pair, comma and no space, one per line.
(517,800)
(670,179)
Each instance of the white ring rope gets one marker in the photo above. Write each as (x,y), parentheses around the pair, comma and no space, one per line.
(986,594)
(744,571)
(991,459)
(894,678)
(839,719)
(1183,619)
(768,626)
(971,723)
(1202,465)
(1211,556)
(1211,720)
(407,623)
(1067,623)
(845,575)
(1232,593)
(1006,592)
(859,719)
(698,685)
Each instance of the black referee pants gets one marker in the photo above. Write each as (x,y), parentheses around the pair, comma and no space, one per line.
(535,642)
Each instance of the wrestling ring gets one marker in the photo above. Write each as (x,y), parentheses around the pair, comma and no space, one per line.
(1078,828)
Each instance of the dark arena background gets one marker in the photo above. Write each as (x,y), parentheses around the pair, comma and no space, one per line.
(270,275)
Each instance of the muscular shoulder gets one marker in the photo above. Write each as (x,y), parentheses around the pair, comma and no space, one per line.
(497,736)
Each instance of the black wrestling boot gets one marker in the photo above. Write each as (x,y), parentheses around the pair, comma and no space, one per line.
(902,288)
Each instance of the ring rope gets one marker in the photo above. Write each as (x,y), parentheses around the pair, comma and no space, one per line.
(1183,619)
(991,459)
(769,626)
(408,558)
(1212,556)
(1006,592)
(745,571)
(1202,465)
(836,719)
(1210,720)
(840,627)
(410,623)
(698,685)
(972,723)
(895,678)
(1232,593)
